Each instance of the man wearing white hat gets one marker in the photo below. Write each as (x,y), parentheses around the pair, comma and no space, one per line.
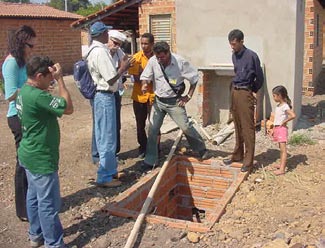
(105,77)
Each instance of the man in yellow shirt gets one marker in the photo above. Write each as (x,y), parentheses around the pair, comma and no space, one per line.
(142,102)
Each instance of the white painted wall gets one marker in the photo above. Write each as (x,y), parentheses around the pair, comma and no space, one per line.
(272,28)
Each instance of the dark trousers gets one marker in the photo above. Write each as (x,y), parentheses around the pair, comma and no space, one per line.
(141,112)
(242,109)
(21,184)
(118,104)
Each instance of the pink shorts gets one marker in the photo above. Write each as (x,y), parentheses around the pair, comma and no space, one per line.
(280,134)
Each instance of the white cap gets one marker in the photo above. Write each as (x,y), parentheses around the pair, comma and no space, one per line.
(117,35)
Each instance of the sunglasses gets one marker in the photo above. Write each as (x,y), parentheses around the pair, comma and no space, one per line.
(116,43)
(29,45)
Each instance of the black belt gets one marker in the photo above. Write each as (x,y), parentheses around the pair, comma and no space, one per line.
(170,100)
(105,91)
(242,88)
(166,98)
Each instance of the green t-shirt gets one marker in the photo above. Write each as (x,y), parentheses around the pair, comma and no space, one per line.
(38,111)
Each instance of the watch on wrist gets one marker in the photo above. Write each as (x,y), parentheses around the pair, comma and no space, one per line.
(188,96)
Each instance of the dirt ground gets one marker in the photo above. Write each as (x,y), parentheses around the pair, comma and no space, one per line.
(267,211)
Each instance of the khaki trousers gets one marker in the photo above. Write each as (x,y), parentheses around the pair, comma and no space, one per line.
(242,109)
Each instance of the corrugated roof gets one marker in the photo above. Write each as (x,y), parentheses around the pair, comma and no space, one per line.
(122,14)
(34,11)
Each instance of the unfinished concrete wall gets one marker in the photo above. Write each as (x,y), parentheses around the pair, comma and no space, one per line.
(272,28)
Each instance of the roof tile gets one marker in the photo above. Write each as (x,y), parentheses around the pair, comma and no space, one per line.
(34,11)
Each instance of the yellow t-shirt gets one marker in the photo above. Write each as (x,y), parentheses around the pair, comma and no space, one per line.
(136,69)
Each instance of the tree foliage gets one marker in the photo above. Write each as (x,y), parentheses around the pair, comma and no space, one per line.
(90,9)
(81,7)
(73,5)
(17,1)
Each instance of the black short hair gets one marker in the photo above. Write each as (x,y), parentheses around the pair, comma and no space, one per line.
(236,34)
(148,36)
(161,47)
(38,64)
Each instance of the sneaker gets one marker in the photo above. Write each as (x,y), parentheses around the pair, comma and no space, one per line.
(23,219)
(112,184)
(35,244)
(119,175)
(119,161)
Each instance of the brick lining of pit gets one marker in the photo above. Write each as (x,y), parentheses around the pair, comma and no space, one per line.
(192,195)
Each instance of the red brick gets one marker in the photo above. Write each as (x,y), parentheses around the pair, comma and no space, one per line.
(197,227)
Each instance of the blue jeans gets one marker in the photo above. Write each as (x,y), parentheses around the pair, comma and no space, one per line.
(105,132)
(178,114)
(43,206)
(94,151)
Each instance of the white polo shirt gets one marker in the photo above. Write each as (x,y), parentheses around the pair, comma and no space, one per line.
(101,66)
(178,70)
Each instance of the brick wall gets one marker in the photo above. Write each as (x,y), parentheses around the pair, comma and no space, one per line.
(157,7)
(55,39)
(313,52)
(188,185)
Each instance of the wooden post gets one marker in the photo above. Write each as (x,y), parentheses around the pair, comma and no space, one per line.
(134,233)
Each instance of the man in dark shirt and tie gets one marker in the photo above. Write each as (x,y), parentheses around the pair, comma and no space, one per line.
(248,79)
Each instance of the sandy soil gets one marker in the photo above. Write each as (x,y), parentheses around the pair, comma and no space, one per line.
(267,211)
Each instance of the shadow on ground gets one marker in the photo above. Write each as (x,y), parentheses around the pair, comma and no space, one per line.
(267,158)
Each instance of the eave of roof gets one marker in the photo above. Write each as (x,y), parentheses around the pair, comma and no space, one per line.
(322,2)
(40,11)
(122,14)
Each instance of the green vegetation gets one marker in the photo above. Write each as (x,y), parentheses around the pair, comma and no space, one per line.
(81,7)
(299,139)
(73,5)
(2,86)
(16,1)
(90,9)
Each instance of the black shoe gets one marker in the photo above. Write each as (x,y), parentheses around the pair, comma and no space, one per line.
(229,161)
(141,155)
(146,167)
(204,154)
(245,168)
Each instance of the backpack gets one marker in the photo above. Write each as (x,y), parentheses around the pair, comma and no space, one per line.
(83,79)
